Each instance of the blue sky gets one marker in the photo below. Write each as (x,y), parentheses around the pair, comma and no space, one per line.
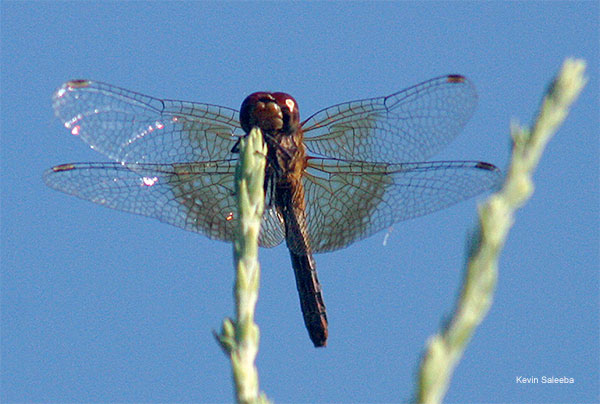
(99,305)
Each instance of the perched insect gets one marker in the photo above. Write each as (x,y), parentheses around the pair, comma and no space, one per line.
(346,172)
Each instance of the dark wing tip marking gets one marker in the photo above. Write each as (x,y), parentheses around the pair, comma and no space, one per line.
(496,176)
(455,78)
(78,83)
(63,167)
(486,166)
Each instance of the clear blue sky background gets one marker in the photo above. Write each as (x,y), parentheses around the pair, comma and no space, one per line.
(99,305)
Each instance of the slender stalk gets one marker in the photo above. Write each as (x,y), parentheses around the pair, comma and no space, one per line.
(239,337)
(496,216)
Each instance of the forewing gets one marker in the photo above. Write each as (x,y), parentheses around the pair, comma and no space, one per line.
(347,200)
(410,125)
(198,197)
(135,128)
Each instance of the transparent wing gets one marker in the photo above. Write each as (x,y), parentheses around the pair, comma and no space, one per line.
(198,197)
(348,200)
(410,125)
(135,128)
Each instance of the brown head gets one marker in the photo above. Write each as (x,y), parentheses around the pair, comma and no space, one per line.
(271,112)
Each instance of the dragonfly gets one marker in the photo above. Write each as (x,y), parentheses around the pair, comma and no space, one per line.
(343,174)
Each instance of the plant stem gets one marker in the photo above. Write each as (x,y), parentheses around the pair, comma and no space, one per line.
(239,338)
(496,216)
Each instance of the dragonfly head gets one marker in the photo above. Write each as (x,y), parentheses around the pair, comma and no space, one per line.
(271,112)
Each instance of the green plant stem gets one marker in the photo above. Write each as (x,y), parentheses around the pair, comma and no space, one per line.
(239,338)
(496,216)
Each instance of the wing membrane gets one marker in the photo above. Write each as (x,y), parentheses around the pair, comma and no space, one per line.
(174,160)
(198,197)
(349,200)
(135,128)
(410,125)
